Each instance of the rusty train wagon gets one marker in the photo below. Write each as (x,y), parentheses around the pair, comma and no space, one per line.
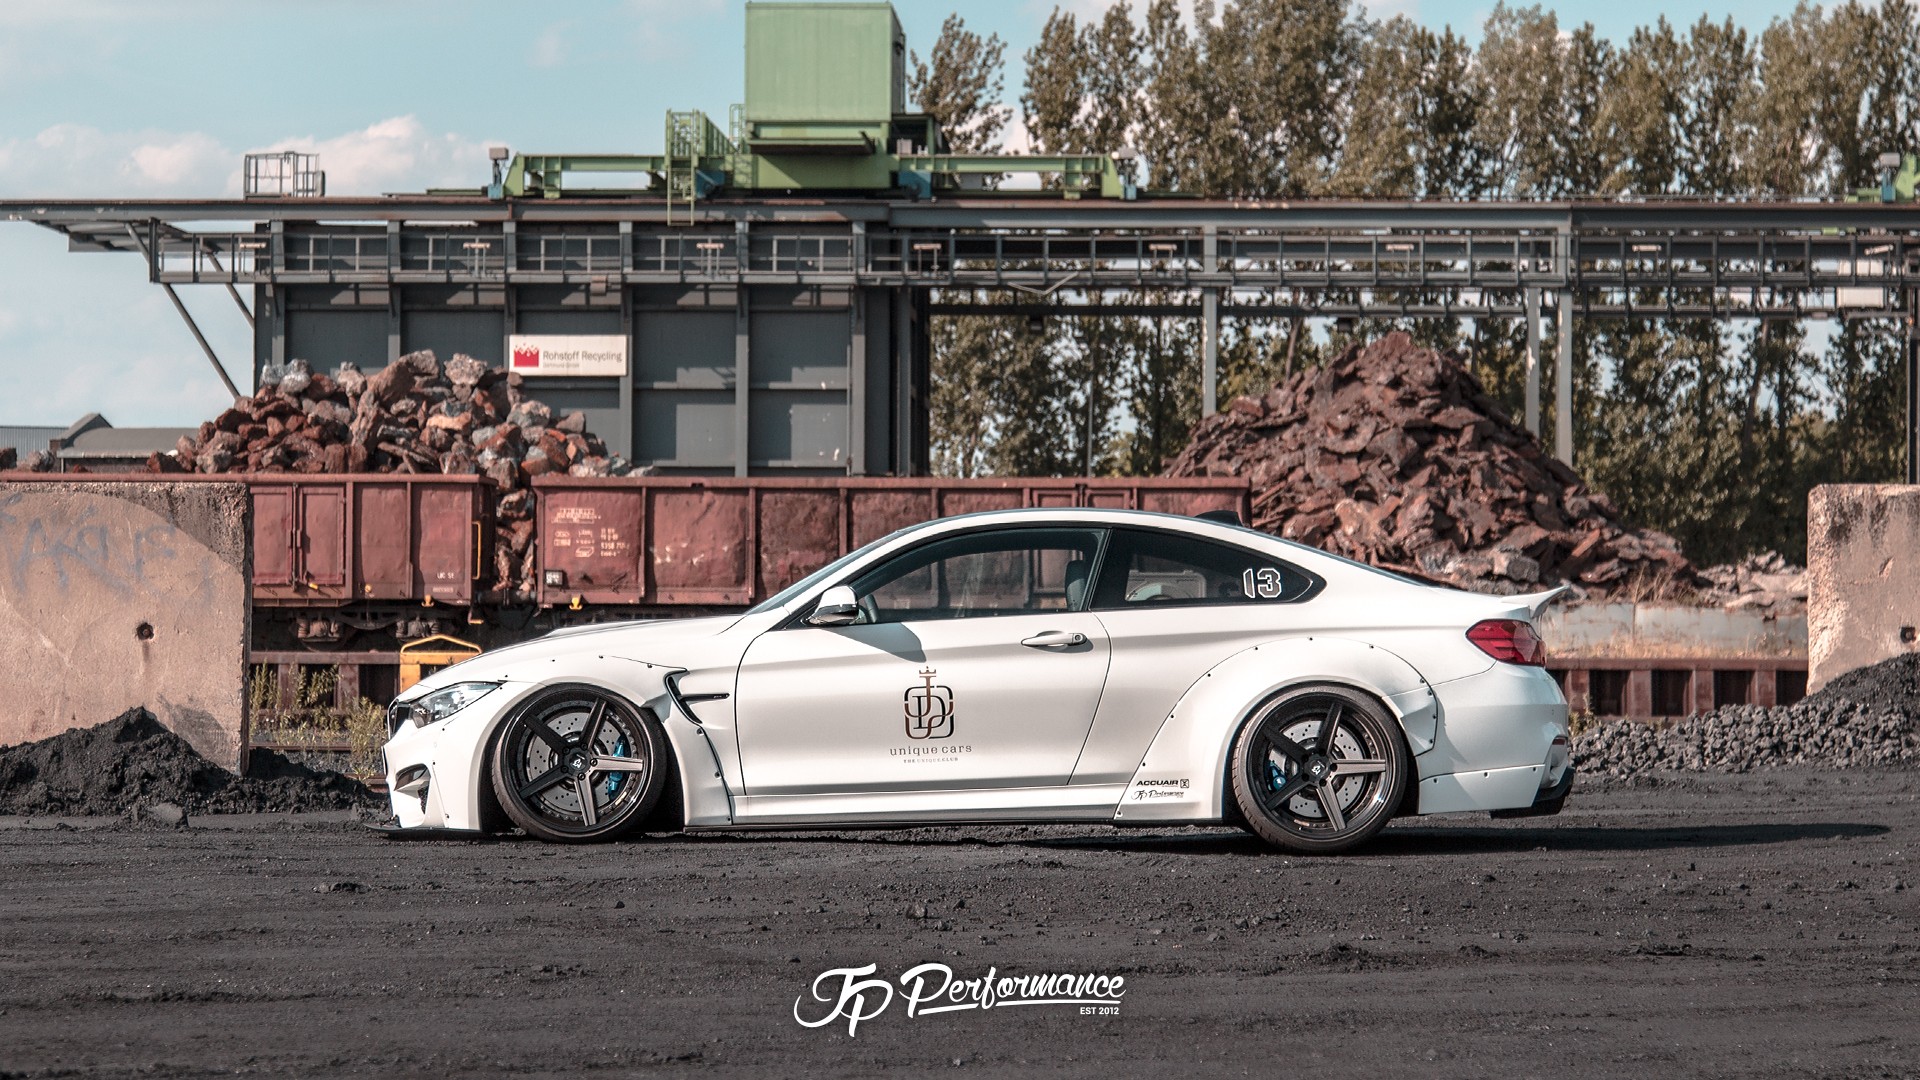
(662,544)
(367,561)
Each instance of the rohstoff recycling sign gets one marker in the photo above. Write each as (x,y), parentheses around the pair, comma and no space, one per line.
(568,354)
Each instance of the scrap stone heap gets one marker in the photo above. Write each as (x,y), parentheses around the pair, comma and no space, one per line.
(412,416)
(1394,455)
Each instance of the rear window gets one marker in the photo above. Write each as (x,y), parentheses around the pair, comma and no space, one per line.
(1144,568)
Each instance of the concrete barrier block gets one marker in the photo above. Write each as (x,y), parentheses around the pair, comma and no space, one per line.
(1863,576)
(122,593)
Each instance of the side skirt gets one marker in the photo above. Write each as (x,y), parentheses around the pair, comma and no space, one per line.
(1089,802)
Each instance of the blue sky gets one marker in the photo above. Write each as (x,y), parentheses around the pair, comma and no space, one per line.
(162,97)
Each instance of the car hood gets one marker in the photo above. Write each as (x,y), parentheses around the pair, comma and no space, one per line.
(666,642)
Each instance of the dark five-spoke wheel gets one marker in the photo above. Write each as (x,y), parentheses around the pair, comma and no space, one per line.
(578,763)
(1319,770)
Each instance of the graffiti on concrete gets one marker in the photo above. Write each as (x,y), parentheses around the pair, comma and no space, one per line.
(71,543)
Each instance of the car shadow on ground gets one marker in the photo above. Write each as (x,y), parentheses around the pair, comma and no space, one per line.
(1420,840)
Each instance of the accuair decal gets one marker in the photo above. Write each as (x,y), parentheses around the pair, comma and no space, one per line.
(929,709)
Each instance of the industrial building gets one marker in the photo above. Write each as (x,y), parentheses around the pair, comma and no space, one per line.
(757,301)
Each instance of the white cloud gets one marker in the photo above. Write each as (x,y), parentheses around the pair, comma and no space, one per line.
(71,160)
(396,154)
(87,332)
(550,48)
(68,160)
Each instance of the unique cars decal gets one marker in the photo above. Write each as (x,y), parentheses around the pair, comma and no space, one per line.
(929,708)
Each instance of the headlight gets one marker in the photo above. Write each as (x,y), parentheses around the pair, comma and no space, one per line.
(441,704)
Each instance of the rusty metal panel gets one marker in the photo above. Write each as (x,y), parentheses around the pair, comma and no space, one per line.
(446,530)
(879,511)
(1054,496)
(974,499)
(591,544)
(801,530)
(383,541)
(699,542)
(1191,497)
(323,541)
(274,539)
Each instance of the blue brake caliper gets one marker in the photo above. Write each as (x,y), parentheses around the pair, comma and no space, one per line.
(614,780)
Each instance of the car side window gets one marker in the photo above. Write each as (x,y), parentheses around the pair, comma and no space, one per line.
(996,572)
(1145,568)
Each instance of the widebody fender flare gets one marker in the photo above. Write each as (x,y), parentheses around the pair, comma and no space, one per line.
(705,799)
(1182,776)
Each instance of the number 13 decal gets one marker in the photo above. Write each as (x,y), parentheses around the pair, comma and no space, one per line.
(1264,583)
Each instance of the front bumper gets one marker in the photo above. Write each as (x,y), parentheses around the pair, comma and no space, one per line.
(434,772)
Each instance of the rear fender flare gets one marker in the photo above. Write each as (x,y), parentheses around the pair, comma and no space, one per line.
(1191,749)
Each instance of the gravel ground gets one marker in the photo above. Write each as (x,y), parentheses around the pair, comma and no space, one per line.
(1697,925)
(134,761)
(1865,717)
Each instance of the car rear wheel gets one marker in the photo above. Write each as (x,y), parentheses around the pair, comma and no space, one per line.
(1319,770)
(576,763)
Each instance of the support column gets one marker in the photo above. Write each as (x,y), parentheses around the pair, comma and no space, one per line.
(742,392)
(1913,386)
(393,291)
(1563,383)
(742,358)
(902,382)
(1210,325)
(629,438)
(509,318)
(276,298)
(1533,362)
(857,383)
(276,293)
(394,317)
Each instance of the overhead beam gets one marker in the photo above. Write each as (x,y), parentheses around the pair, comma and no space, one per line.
(186,316)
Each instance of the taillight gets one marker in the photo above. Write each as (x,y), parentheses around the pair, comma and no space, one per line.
(1509,640)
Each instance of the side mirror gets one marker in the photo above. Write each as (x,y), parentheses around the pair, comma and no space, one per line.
(837,607)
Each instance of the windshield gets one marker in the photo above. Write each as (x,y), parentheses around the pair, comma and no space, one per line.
(821,576)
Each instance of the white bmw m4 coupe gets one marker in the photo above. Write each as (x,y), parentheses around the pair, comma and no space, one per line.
(1015,666)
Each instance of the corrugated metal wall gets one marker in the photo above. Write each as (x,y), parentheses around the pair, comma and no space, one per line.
(835,378)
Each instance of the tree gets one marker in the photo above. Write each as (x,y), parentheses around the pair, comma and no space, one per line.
(1542,100)
(960,87)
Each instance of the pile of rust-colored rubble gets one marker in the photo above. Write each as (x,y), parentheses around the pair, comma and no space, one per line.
(1393,455)
(412,416)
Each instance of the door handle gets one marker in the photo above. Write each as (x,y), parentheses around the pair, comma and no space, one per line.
(1055,639)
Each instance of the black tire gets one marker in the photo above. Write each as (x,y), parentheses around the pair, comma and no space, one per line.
(549,761)
(1313,749)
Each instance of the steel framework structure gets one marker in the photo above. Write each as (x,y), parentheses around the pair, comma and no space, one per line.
(1046,256)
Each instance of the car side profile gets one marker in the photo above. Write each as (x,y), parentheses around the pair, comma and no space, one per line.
(1036,665)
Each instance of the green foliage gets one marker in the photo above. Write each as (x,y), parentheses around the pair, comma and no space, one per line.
(1711,431)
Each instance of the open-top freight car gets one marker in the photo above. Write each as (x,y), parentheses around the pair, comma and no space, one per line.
(371,560)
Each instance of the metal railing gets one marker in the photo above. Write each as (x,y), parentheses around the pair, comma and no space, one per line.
(1670,273)
(283,173)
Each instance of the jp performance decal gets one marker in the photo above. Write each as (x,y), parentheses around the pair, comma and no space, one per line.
(929,709)
(933,988)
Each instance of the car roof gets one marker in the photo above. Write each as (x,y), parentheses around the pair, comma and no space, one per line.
(1115,517)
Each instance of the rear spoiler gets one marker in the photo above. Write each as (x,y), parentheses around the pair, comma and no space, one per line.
(1538,602)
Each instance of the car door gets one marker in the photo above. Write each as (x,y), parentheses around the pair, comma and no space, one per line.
(974,665)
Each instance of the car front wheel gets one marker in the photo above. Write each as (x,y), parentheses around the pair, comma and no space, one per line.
(576,763)
(1319,770)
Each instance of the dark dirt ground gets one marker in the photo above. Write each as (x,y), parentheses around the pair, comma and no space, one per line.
(1707,925)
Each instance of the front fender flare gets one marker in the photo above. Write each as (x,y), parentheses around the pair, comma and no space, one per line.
(462,749)
(1182,776)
